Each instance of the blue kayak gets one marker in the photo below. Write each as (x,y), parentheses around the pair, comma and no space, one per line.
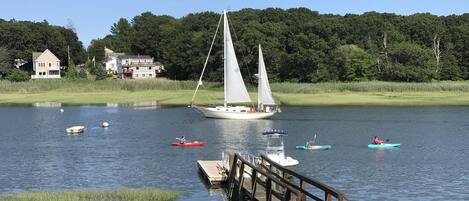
(314,147)
(377,146)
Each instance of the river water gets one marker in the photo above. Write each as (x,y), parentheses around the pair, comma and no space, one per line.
(135,151)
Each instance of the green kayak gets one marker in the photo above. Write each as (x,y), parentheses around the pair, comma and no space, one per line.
(375,146)
(314,147)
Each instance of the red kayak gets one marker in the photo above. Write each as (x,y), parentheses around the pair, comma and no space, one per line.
(189,144)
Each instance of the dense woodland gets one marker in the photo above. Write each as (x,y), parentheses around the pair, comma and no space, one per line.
(299,45)
(18,39)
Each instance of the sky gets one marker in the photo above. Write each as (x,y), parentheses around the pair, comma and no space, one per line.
(94,18)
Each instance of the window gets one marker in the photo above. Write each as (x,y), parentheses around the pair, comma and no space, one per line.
(50,64)
(137,68)
(136,75)
(143,75)
(149,68)
(243,110)
(150,75)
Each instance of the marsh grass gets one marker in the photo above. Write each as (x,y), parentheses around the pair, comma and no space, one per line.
(170,92)
(99,195)
(371,86)
(35,86)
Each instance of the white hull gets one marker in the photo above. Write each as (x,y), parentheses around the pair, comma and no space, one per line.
(238,112)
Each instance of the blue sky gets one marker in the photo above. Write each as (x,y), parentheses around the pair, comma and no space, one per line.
(93,19)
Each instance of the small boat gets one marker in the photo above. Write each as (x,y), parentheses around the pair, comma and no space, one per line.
(189,144)
(276,150)
(313,147)
(75,129)
(378,146)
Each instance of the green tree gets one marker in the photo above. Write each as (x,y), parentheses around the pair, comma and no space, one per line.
(354,63)
(449,68)
(410,63)
(71,71)
(17,75)
(96,50)
(5,62)
(100,72)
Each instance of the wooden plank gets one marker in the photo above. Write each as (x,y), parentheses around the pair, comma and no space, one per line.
(212,171)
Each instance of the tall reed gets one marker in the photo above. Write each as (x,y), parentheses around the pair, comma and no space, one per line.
(99,195)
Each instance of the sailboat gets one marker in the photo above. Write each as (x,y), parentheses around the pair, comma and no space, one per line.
(235,91)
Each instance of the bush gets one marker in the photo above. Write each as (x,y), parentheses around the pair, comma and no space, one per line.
(82,74)
(17,75)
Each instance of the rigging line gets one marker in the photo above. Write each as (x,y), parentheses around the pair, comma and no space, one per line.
(206,60)
(242,53)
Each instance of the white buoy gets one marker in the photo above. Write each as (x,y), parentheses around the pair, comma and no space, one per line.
(105,124)
(61,110)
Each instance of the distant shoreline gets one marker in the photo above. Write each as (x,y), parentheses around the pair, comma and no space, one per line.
(162,92)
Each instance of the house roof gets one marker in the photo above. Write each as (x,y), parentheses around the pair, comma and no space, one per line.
(134,57)
(158,63)
(38,55)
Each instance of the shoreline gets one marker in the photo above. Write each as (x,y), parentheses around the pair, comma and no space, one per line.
(177,98)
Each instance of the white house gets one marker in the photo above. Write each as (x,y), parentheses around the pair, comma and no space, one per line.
(110,62)
(138,66)
(45,65)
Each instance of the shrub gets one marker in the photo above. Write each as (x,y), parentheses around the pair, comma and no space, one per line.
(82,74)
(17,75)
(100,72)
(71,71)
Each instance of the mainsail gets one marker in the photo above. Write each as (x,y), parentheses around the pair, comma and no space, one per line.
(264,92)
(235,90)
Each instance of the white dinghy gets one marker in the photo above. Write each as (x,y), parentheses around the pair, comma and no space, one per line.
(75,130)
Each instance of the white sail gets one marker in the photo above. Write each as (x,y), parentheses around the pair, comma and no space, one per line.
(235,90)
(264,93)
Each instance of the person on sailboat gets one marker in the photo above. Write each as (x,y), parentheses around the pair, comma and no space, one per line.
(377,140)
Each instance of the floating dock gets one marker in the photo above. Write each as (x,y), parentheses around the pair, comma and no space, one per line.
(213,171)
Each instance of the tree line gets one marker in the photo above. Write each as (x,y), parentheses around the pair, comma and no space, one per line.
(299,45)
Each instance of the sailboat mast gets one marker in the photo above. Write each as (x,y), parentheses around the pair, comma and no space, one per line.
(225,46)
(259,79)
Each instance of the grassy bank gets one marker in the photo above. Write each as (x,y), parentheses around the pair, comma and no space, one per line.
(115,195)
(168,92)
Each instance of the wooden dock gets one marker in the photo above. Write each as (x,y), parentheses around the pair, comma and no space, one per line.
(213,172)
(265,181)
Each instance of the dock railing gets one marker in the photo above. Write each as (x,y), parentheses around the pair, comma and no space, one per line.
(256,182)
(300,182)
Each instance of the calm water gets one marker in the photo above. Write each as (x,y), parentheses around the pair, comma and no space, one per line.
(432,164)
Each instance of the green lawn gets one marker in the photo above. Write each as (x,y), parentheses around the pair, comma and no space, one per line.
(114,195)
(167,92)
